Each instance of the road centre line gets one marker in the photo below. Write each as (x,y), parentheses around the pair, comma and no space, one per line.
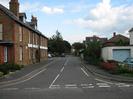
(58,75)
(66,62)
(84,72)
(54,80)
(23,80)
(62,69)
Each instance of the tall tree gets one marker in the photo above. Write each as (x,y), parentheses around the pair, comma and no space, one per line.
(57,45)
(78,46)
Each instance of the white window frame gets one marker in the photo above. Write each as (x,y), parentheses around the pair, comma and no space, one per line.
(5,54)
(20,33)
(29,37)
(1,32)
(20,53)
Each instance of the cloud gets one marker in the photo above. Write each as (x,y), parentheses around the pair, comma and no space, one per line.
(34,7)
(50,10)
(5,3)
(105,18)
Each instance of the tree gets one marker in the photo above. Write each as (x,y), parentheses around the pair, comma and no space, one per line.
(78,46)
(57,45)
(93,52)
(67,46)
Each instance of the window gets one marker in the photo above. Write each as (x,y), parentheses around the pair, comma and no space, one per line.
(20,33)
(29,54)
(1,32)
(33,38)
(91,40)
(5,54)
(21,53)
(29,37)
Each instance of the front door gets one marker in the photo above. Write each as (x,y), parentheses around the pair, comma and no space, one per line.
(5,54)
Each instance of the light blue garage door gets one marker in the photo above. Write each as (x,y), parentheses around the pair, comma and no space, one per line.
(120,54)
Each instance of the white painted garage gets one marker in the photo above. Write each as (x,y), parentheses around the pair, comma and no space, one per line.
(118,53)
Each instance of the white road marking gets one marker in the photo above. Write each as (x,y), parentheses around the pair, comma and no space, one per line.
(62,69)
(86,84)
(88,87)
(123,85)
(54,80)
(66,63)
(70,85)
(23,80)
(9,89)
(32,88)
(55,85)
(84,72)
(103,81)
(104,86)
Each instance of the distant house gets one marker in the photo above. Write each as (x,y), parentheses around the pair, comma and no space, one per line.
(95,38)
(117,48)
(117,40)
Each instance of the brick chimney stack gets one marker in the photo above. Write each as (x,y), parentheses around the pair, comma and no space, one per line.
(14,7)
(34,21)
(114,34)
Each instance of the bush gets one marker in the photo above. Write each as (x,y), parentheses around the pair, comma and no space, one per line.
(6,68)
(122,68)
(111,66)
(1,74)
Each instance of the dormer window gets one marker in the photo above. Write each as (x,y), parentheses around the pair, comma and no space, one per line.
(22,17)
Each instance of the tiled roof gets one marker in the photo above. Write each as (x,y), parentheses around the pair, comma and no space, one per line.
(118,37)
(15,18)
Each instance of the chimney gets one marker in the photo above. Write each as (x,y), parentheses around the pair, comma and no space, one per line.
(14,7)
(114,34)
(34,22)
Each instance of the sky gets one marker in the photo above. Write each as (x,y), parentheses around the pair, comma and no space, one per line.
(77,19)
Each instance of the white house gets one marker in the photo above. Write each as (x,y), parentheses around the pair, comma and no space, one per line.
(118,53)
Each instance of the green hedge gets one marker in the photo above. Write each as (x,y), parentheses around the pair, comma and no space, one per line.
(6,68)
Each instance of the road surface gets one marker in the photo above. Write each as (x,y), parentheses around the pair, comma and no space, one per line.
(64,78)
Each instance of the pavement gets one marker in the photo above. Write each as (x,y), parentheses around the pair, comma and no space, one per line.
(63,78)
(99,72)
(24,71)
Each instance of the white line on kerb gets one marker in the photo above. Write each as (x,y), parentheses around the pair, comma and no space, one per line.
(84,72)
(103,81)
(54,80)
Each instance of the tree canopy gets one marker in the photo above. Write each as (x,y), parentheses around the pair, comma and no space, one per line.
(57,45)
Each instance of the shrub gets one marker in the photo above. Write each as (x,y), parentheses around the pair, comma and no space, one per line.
(1,74)
(111,66)
(122,68)
(6,68)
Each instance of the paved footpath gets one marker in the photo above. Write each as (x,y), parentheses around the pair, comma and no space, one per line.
(64,78)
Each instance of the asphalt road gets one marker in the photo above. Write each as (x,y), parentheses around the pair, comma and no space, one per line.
(64,78)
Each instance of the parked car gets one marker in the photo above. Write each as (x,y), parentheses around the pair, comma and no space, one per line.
(63,55)
(49,55)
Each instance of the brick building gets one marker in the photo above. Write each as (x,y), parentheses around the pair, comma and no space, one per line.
(20,41)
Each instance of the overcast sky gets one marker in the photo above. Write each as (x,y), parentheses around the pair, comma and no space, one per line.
(76,19)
